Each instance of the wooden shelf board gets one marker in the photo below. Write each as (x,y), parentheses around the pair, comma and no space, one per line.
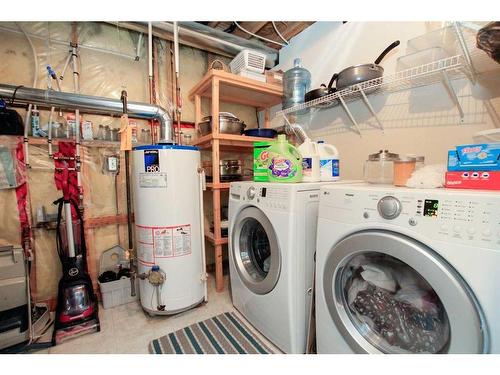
(220,185)
(216,241)
(40,141)
(231,140)
(237,89)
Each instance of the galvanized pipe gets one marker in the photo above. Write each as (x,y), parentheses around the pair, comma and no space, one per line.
(90,104)
(203,37)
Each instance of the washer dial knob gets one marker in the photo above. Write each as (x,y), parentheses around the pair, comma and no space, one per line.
(251,192)
(389,207)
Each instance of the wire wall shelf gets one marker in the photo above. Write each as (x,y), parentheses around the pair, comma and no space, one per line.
(466,64)
(418,76)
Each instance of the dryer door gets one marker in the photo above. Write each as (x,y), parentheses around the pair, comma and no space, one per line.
(255,250)
(388,293)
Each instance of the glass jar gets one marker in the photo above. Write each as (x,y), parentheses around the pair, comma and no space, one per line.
(187,139)
(379,168)
(100,133)
(403,168)
(114,135)
(107,133)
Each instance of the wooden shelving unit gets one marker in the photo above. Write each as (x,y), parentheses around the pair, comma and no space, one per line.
(221,86)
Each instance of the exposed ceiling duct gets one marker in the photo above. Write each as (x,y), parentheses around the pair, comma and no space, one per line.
(206,38)
(89,104)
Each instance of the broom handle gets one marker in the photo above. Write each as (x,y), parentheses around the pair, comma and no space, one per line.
(129,217)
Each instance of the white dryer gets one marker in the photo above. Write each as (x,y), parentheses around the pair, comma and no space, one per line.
(407,270)
(272,237)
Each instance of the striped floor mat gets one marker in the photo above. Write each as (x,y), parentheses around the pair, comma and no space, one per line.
(223,334)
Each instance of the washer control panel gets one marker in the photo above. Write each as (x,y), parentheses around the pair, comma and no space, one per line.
(471,218)
(271,197)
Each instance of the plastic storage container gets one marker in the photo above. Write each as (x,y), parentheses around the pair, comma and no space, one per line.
(116,292)
(329,162)
(446,38)
(285,162)
(296,82)
(422,57)
(310,161)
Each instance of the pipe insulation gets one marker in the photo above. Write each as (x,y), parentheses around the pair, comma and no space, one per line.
(90,104)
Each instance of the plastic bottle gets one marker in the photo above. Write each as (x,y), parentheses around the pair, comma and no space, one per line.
(35,123)
(285,162)
(261,161)
(296,82)
(329,162)
(310,161)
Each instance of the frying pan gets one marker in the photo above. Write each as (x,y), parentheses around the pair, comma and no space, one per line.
(363,72)
(322,91)
(261,132)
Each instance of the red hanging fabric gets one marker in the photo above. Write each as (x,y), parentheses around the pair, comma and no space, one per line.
(22,197)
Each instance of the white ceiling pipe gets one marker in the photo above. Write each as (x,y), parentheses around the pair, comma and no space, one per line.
(205,38)
(150,50)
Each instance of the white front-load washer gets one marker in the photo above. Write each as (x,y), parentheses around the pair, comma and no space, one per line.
(407,270)
(272,238)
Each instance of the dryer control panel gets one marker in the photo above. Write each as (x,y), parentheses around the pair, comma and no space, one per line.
(467,217)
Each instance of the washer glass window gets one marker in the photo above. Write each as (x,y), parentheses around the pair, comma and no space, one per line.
(392,306)
(255,249)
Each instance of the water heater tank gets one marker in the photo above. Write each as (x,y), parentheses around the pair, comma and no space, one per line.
(168,227)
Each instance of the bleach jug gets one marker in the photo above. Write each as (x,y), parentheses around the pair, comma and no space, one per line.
(310,161)
(285,161)
(329,162)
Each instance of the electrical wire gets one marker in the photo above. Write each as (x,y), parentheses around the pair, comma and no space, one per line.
(278,32)
(35,57)
(258,36)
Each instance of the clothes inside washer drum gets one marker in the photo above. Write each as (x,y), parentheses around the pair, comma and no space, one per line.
(393,306)
(399,323)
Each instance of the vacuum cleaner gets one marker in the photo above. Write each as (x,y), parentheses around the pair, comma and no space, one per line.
(77,306)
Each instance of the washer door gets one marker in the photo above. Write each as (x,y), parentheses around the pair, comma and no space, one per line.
(255,250)
(388,293)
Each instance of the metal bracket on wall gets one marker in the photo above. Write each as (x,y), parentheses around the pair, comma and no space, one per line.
(451,92)
(368,104)
(344,105)
(465,51)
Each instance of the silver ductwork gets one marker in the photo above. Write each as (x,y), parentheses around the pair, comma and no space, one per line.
(293,129)
(206,38)
(90,104)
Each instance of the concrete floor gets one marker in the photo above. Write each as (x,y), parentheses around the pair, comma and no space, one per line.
(128,329)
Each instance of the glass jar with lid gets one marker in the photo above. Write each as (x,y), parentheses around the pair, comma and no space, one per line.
(379,168)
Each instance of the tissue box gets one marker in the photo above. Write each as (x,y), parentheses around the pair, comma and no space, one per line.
(477,157)
(485,180)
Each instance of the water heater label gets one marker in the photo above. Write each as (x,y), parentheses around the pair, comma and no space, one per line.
(162,242)
(151,161)
(153,180)
(145,253)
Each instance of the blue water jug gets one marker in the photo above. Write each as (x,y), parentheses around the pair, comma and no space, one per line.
(296,82)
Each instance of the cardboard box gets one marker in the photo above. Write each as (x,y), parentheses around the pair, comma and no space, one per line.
(482,180)
(274,77)
(476,157)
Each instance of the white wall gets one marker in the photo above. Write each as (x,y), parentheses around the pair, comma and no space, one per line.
(422,121)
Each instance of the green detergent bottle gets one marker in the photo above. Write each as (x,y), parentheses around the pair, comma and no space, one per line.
(285,162)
